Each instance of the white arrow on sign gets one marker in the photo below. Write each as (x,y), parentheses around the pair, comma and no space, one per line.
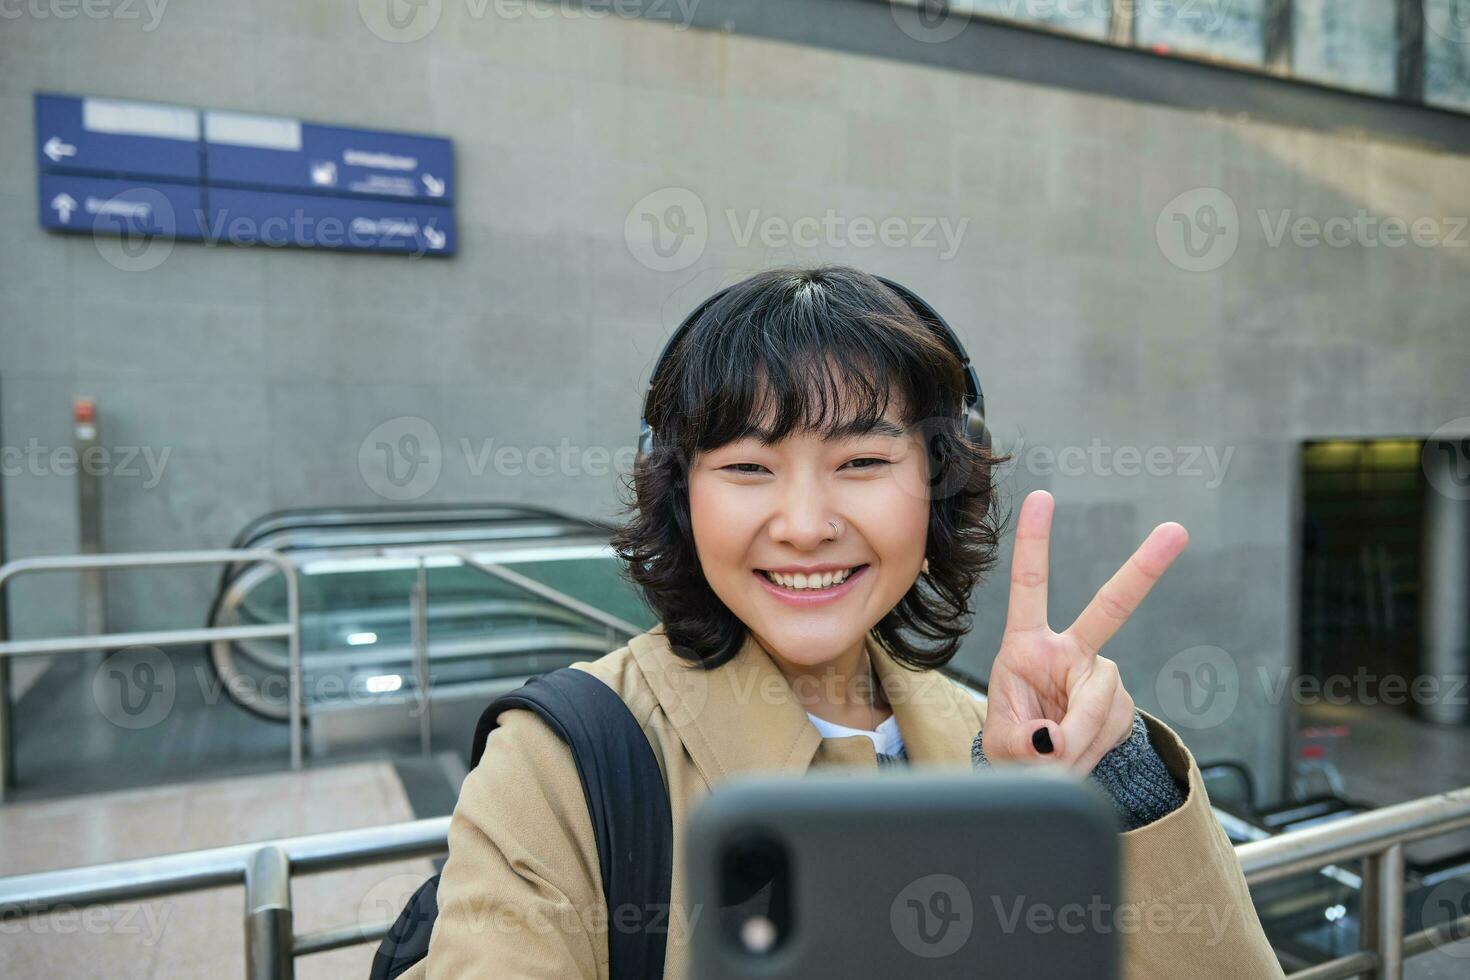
(55,149)
(433,185)
(64,204)
(435,237)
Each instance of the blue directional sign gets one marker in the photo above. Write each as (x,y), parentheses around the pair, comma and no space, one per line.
(270,151)
(239,217)
(95,205)
(107,166)
(109,137)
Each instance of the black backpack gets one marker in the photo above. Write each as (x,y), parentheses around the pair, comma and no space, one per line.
(631,820)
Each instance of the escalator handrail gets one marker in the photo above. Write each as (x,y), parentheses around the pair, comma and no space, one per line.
(381,514)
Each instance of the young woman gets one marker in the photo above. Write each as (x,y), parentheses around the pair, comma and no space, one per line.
(809,529)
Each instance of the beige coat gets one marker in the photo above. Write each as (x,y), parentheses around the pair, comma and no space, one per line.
(521,893)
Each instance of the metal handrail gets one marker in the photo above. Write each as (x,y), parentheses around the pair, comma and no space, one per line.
(554,596)
(290,630)
(1378,836)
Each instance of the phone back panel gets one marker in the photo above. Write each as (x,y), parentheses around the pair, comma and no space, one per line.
(904,875)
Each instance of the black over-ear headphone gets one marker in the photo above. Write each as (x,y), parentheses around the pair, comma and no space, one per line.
(972,413)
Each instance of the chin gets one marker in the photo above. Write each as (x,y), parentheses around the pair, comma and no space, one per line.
(807,647)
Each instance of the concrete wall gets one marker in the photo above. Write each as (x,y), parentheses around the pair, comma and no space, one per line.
(262,372)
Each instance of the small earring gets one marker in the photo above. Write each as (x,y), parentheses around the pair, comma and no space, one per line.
(924,568)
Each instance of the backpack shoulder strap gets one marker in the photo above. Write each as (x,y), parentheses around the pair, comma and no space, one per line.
(626,799)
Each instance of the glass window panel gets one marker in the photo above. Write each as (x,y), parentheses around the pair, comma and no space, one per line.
(1447,53)
(1352,43)
(1229,30)
(1086,17)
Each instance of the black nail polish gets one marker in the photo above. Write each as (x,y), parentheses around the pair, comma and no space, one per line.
(1041,740)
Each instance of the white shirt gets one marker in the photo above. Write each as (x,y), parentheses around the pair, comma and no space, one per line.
(886,740)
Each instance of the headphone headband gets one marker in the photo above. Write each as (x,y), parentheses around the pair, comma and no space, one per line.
(972,414)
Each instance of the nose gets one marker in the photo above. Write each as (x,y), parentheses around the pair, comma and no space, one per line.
(802,516)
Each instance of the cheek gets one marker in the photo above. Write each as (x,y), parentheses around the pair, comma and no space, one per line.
(896,520)
(715,519)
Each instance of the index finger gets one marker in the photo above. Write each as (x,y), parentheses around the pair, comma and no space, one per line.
(1029,561)
(1116,600)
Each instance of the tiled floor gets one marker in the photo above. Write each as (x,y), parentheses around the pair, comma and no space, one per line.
(200,934)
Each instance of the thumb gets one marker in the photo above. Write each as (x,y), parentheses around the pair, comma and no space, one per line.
(1037,740)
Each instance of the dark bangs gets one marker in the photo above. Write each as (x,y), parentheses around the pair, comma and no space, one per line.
(827,350)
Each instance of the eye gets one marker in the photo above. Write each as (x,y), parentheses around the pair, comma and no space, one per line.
(868,459)
(736,468)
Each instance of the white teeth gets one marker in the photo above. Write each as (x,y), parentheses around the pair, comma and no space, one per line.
(801,580)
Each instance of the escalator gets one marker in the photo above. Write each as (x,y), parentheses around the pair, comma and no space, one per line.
(356,578)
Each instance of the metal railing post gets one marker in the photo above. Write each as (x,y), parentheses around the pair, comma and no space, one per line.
(293,653)
(418,608)
(1390,913)
(268,927)
(7,748)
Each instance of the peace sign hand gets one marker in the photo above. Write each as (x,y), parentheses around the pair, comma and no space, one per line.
(1052,698)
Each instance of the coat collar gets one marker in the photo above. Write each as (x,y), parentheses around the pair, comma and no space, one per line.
(743,716)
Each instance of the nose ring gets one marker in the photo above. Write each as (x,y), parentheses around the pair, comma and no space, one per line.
(835,530)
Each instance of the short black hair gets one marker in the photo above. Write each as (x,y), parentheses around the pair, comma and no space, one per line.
(794,348)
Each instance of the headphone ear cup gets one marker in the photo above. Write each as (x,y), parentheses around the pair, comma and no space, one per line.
(975,427)
(645,443)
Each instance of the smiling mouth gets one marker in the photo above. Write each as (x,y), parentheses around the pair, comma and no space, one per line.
(810,583)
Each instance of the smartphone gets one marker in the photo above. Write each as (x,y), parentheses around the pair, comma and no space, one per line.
(904,875)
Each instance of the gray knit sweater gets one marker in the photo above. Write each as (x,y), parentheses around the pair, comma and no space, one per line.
(1132,775)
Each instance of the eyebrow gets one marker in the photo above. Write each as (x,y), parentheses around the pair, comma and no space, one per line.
(850,429)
